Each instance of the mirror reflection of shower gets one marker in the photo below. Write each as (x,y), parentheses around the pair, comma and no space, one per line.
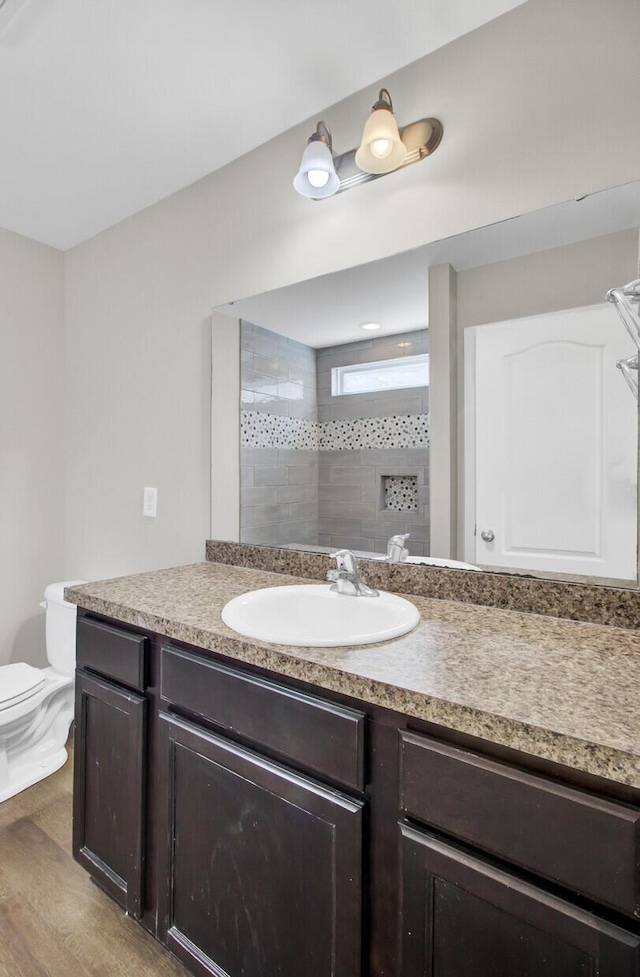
(627,302)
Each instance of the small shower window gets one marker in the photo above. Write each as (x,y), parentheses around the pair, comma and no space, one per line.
(394,374)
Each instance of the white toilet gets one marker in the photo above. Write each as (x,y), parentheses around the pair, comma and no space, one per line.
(36,704)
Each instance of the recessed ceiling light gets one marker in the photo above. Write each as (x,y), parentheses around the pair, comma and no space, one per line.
(369,326)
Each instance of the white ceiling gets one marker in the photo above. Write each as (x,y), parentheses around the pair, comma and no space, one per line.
(111,105)
(328,310)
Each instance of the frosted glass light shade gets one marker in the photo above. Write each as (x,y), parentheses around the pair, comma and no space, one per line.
(381,149)
(317,175)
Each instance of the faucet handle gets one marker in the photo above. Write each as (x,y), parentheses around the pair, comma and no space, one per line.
(401,538)
(345,560)
(396,550)
(347,576)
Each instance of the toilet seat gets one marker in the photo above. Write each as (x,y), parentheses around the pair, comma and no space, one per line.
(19,682)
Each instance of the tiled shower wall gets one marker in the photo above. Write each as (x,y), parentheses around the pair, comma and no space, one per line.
(279,457)
(352,482)
(334,471)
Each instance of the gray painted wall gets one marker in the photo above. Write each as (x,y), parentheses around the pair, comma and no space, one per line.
(31,441)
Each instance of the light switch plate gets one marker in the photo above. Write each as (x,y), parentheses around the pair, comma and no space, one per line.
(150,502)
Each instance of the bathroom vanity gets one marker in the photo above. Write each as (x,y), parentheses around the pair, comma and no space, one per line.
(463,801)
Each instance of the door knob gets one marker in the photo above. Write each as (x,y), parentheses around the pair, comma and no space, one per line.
(488,535)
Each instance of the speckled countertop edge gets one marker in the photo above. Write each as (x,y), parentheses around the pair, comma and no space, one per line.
(559,690)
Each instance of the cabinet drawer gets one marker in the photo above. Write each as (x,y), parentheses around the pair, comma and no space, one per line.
(565,835)
(320,736)
(112,652)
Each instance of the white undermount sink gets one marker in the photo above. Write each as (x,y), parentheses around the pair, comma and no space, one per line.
(312,615)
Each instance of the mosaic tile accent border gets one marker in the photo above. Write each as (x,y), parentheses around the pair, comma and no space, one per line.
(401,431)
(264,430)
(401,492)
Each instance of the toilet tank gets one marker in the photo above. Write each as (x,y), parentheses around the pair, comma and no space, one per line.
(61,627)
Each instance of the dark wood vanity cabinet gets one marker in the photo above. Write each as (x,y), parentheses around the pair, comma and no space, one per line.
(464,917)
(263,828)
(263,866)
(110,765)
(262,860)
(475,900)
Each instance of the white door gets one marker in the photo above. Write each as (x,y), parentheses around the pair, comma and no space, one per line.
(555,445)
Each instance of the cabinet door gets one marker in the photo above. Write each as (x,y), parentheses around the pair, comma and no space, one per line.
(109,788)
(261,867)
(462,917)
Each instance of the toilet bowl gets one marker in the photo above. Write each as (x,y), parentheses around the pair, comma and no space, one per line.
(36,704)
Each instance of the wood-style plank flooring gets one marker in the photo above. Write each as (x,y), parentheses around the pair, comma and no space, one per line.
(53,921)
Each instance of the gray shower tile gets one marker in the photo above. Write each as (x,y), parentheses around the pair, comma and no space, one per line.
(301,531)
(271,366)
(298,493)
(247,476)
(258,495)
(270,476)
(260,383)
(259,456)
(302,408)
(303,474)
(337,474)
(351,542)
(261,341)
(344,458)
(303,510)
(339,493)
(289,390)
(262,535)
(262,515)
(349,510)
(332,526)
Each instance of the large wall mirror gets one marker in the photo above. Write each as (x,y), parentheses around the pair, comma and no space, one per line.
(465,393)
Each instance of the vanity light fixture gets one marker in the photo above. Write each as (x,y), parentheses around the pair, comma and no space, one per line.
(381,149)
(384,149)
(317,176)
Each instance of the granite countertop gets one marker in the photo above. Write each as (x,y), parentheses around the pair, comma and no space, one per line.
(561,690)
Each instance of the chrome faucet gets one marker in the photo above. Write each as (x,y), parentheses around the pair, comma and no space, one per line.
(396,550)
(346,576)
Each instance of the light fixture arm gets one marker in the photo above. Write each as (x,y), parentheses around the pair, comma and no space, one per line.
(384,101)
(322,136)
